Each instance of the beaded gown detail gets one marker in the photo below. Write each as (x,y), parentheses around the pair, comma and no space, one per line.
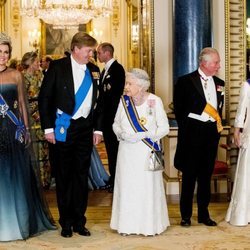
(23,210)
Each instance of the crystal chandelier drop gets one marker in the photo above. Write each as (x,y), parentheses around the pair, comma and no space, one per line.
(66,14)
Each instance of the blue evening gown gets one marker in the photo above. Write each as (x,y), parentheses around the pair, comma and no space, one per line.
(98,176)
(23,210)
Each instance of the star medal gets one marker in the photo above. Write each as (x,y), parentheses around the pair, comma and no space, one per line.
(15,104)
(96,75)
(62,130)
(108,86)
(143,120)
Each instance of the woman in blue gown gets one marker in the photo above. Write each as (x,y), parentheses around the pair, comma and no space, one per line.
(98,177)
(23,209)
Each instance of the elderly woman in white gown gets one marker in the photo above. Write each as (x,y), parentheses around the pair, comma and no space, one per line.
(238,213)
(139,201)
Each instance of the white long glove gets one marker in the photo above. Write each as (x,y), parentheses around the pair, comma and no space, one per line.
(132,138)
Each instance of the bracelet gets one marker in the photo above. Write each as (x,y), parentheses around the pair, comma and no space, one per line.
(27,128)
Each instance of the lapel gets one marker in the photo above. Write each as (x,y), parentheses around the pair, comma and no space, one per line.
(109,70)
(219,91)
(195,77)
(102,75)
(69,80)
(196,80)
(95,75)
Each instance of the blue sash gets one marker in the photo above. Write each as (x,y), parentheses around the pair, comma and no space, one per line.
(134,120)
(20,128)
(63,120)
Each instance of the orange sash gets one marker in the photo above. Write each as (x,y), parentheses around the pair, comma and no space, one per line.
(210,110)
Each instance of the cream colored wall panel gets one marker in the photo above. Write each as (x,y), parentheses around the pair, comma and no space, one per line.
(163,50)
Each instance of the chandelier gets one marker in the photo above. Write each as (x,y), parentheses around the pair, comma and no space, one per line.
(66,14)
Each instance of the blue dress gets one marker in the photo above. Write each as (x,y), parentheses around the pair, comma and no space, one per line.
(98,176)
(23,210)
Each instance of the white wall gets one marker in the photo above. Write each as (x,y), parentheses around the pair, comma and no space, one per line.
(163,50)
(219,32)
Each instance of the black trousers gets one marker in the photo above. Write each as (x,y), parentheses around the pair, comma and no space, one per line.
(73,162)
(111,144)
(52,159)
(201,143)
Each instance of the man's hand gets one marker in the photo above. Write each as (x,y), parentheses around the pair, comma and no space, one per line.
(50,137)
(97,138)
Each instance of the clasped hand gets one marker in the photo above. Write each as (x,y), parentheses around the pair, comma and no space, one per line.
(135,137)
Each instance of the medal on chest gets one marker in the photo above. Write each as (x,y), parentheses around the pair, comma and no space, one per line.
(143,120)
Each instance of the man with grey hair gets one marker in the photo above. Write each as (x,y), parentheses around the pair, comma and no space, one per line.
(198,103)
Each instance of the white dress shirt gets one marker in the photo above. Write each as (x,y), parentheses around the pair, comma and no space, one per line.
(210,95)
(107,66)
(78,71)
(78,76)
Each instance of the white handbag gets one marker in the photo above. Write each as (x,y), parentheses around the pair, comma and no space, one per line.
(156,162)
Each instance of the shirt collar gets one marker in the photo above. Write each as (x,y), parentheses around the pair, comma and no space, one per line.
(108,64)
(76,65)
(203,75)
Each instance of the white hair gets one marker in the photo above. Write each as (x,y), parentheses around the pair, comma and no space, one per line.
(205,54)
(141,77)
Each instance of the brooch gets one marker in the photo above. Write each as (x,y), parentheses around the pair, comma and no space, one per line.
(143,120)
(151,105)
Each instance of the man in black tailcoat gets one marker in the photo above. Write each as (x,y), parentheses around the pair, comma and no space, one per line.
(198,103)
(113,81)
(70,106)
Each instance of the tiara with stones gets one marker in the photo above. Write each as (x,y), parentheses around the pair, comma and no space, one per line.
(4,38)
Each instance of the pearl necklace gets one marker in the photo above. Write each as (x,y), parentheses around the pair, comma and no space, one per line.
(139,99)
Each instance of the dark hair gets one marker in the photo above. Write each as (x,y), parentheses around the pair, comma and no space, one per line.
(13,63)
(107,47)
(48,59)
(81,39)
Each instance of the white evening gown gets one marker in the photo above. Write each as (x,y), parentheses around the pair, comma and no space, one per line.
(139,201)
(238,213)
